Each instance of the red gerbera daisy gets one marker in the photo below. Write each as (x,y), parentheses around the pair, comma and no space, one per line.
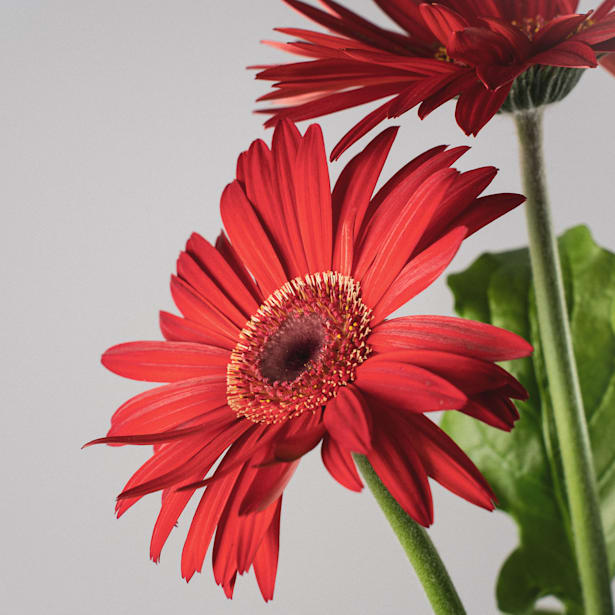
(467,48)
(283,345)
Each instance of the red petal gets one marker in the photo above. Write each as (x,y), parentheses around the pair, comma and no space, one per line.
(235,535)
(204,523)
(442,21)
(250,240)
(477,105)
(408,16)
(348,420)
(459,199)
(402,473)
(480,46)
(350,25)
(517,40)
(408,387)
(340,464)
(211,448)
(173,504)
(449,465)
(216,266)
(267,486)
(406,181)
(169,406)
(266,560)
(352,193)
(166,457)
(324,105)
(391,242)
(252,532)
(313,194)
(598,33)
(572,54)
(486,209)
(473,339)
(190,271)
(419,273)
(464,78)
(165,361)
(371,120)
(285,144)
(493,409)
(470,375)
(228,252)
(177,329)
(557,30)
(195,307)
(295,447)
(261,187)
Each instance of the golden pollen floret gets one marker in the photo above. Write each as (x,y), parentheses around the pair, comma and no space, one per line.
(304,343)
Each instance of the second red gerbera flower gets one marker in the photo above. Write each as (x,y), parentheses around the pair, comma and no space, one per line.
(453,48)
(283,345)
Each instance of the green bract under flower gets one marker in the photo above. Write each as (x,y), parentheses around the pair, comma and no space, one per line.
(539,86)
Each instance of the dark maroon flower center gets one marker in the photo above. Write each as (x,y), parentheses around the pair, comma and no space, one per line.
(289,351)
(304,343)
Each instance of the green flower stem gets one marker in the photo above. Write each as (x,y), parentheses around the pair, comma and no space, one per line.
(570,423)
(418,546)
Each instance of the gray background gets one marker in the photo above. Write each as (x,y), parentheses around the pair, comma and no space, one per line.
(120,123)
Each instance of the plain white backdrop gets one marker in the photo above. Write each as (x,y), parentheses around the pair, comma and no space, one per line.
(120,125)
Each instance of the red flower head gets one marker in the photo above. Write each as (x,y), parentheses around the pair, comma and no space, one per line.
(283,345)
(470,49)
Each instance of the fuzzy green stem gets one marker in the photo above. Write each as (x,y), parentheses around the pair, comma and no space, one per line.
(570,422)
(418,546)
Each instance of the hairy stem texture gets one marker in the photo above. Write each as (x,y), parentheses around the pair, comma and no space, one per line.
(421,552)
(570,421)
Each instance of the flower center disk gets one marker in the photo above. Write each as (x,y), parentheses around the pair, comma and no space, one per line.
(304,343)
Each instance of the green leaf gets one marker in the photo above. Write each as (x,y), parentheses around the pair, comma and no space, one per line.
(524,467)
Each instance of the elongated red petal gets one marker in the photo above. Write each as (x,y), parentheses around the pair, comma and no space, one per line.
(450,334)
(169,455)
(266,560)
(211,449)
(573,54)
(250,239)
(173,504)
(196,308)
(408,387)
(388,248)
(492,408)
(352,193)
(401,471)
(218,268)
(371,120)
(340,464)
(177,329)
(470,375)
(348,420)
(165,361)
(204,523)
(313,194)
(267,486)
(228,252)
(448,464)
(477,105)
(419,273)
(442,21)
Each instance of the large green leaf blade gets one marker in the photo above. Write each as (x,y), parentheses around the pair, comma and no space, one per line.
(524,466)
